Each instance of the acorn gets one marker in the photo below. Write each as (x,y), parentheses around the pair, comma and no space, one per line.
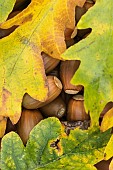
(49,62)
(56,108)
(107,107)
(67,71)
(28,119)
(54,89)
(66,97)
(76,110)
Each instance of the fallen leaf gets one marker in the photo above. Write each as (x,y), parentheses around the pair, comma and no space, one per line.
(41,27)
(50,148)
(95,52)
(107,121)
(5,8)
(111,165)
(108,150)
(3,122)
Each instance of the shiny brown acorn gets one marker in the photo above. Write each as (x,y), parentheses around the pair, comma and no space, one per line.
(56,108)
(76,110)
(54,89)
(28,119)
(49,62)
(67,70)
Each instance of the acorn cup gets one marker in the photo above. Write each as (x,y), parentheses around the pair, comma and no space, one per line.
(56,108)
(54,89)
(76,110)
(49,62)
(28,119)
(67,70)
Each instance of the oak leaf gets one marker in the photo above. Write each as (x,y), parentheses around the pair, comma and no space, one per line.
(5,8)
(41,27)
(96,55)
(49,147)
(107,121)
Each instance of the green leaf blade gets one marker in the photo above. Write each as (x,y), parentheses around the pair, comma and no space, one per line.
(6,7)
(40,140)
(12,153)
(96,55)
(81,149)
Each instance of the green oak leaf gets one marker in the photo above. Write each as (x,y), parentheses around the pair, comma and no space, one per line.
(12,155)
(81,149)
(96,55)
(6,6)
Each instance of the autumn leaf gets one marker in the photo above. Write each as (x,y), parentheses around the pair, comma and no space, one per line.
(107,121)
(41,27)
(108,150)
(3,122)
(5,8)
(96,55)
(111,165)
(49,147)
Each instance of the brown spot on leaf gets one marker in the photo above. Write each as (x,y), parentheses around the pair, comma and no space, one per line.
(5,95)
(57,146)
(27,18)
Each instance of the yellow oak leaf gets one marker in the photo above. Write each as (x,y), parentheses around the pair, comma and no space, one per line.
(3,122)
(41,27)
(107,121)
